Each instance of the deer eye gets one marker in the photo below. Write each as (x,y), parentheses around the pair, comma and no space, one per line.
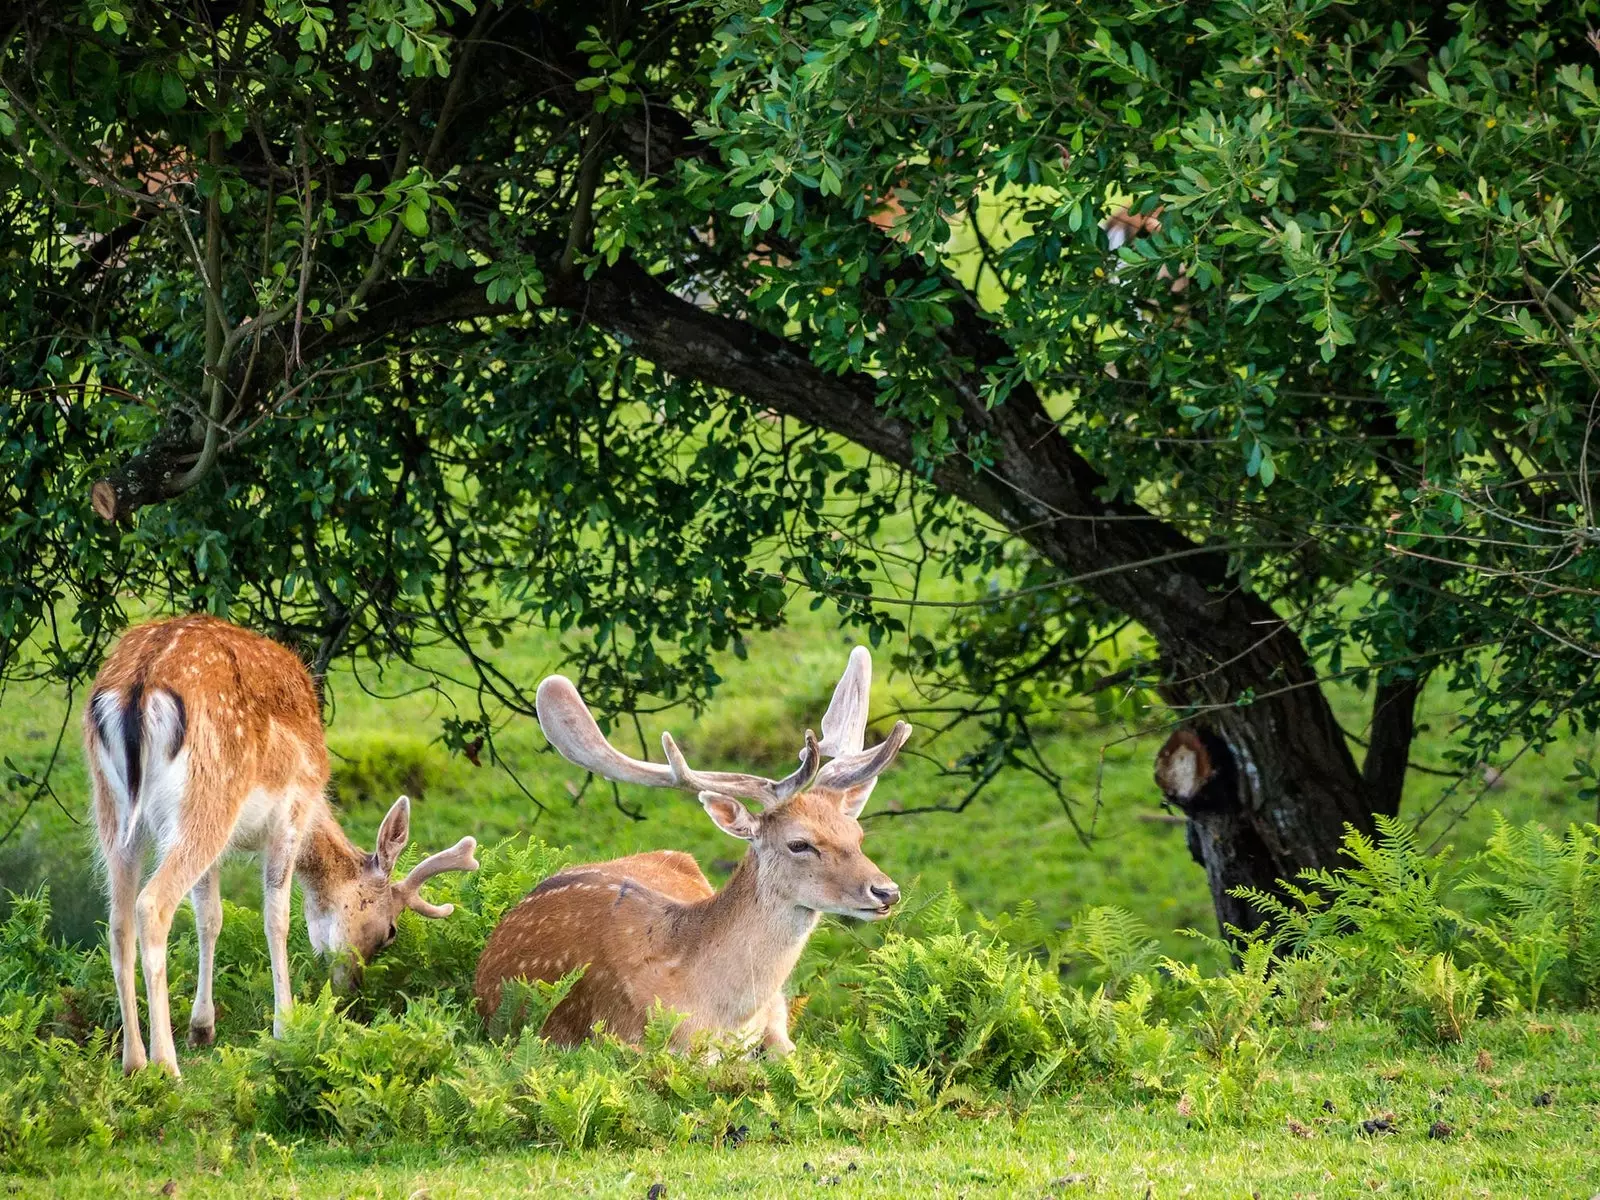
(801,846)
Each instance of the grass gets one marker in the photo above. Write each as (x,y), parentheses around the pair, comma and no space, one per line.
(1521,1109)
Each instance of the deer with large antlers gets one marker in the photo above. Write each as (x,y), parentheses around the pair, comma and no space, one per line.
(651,927)
(204,738)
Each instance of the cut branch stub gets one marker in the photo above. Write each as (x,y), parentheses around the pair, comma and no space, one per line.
(144,479)
(1184,768)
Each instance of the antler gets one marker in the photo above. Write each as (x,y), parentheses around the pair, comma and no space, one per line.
(844,732)
(457,858)
(862,769)
(844,725)
(572,730)
(748,787)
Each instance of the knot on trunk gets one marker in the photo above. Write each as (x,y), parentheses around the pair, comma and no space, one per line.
(1195,772)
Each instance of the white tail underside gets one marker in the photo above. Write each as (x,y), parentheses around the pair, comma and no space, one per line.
(155,796)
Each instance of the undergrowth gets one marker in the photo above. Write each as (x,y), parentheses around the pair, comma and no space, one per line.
(933,1011)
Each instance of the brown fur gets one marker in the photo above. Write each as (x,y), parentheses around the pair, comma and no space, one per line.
(650,927)
(254,778)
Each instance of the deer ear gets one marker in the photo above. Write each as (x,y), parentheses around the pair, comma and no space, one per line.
(730,816)
(394,833)
(853,800)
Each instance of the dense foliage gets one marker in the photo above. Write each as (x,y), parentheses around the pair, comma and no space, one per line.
(383,324)
(932,1017)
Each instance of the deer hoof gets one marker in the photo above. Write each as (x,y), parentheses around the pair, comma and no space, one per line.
(201,1036)
(171,1068)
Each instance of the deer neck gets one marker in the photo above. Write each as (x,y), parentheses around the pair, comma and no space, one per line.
(747,937)
(328,858)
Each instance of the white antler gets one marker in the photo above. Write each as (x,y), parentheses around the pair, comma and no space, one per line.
(844,726)
(457,858)
(572,730)
(748,787)
(844,732)
(861,770)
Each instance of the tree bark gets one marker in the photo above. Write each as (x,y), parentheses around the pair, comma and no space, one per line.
(1393,727)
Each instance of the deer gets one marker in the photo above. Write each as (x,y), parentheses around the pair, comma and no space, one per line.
(204,738)
(650,928)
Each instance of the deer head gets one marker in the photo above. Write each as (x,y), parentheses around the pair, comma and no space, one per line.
(806,838)
(355,910)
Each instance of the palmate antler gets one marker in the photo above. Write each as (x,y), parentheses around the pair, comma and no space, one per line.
(572,730)
(457,858)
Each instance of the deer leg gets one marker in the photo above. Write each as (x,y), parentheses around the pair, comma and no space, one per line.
(277,877)
(122,890)
(206,896)
(122,870)
(182,868)
(775,1035)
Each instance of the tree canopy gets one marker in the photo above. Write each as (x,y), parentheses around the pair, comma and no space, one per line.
(1269,327)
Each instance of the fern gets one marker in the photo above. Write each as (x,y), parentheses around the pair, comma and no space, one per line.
(956,1008)
(1544,925)
(1113,944)
(525,1005)
(1444,998)
(1360,920)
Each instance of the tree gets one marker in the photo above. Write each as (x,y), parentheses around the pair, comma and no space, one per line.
(1267,326)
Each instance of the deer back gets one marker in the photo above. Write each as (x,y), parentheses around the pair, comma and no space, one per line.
(620,921)
(195,707)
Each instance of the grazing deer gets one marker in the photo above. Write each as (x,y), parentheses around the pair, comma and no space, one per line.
(650,927)
(204,738)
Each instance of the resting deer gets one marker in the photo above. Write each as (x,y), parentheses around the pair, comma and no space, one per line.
(650,927)
(204,738)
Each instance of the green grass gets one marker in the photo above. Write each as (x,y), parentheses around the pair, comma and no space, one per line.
(1501,1142)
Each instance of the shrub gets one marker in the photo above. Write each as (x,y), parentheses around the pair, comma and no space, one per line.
(953,1009)
(1377,935)
(1110,946)
(328,1071)
(377,767)
(1232,1044)
(57,1092)
(1440,999)
(1541,938)
(1118,1040)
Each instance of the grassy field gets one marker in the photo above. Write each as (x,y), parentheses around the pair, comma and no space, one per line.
(1353,1111)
